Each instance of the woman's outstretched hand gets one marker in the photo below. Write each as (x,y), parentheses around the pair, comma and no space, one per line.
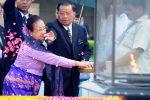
(84,64)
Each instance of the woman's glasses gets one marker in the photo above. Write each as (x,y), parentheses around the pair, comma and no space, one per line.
(41,29)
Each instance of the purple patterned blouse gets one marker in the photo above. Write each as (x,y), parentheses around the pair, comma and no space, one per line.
(33,60)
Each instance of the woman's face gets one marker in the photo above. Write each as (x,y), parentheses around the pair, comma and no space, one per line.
(39,29)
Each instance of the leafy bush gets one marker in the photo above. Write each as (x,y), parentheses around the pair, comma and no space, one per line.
(91,46)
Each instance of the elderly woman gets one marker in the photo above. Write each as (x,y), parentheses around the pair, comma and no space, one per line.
(24,77)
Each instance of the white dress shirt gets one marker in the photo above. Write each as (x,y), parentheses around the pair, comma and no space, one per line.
(70,27)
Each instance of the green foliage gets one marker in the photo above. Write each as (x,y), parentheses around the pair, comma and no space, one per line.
(91,46)
(91,43)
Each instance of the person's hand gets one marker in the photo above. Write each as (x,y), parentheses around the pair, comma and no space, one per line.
(85,64)
(49,36)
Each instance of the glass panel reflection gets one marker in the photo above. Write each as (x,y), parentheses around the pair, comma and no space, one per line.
(124,25)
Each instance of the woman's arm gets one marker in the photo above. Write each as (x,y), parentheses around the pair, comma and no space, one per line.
(53,59)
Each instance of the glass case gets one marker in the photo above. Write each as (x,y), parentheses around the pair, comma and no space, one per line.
(122,46)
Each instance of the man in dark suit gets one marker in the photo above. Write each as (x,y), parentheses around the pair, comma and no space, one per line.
(71,42)
(14,20)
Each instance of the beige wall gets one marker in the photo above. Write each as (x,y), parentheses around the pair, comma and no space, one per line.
(1,19)
(1,1)
(1,16)
(47,9)
(35,8)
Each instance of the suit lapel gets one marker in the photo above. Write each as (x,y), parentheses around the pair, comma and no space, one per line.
(62,32)
(74,35)
(19,21)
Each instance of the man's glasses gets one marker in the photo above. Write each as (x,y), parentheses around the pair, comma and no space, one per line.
(65,13)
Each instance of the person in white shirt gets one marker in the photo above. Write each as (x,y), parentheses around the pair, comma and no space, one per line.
(122,22)
(135,45)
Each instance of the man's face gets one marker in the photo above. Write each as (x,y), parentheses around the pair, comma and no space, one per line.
(66,15)
(119,6)
(132,12)
(24,5)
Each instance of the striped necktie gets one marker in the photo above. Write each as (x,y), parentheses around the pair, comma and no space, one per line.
(69,34)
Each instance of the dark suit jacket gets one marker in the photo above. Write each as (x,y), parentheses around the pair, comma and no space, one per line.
(13,24)
(77,50)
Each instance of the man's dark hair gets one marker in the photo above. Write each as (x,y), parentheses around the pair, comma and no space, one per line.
(66,3)
(31,20)
(141,3)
